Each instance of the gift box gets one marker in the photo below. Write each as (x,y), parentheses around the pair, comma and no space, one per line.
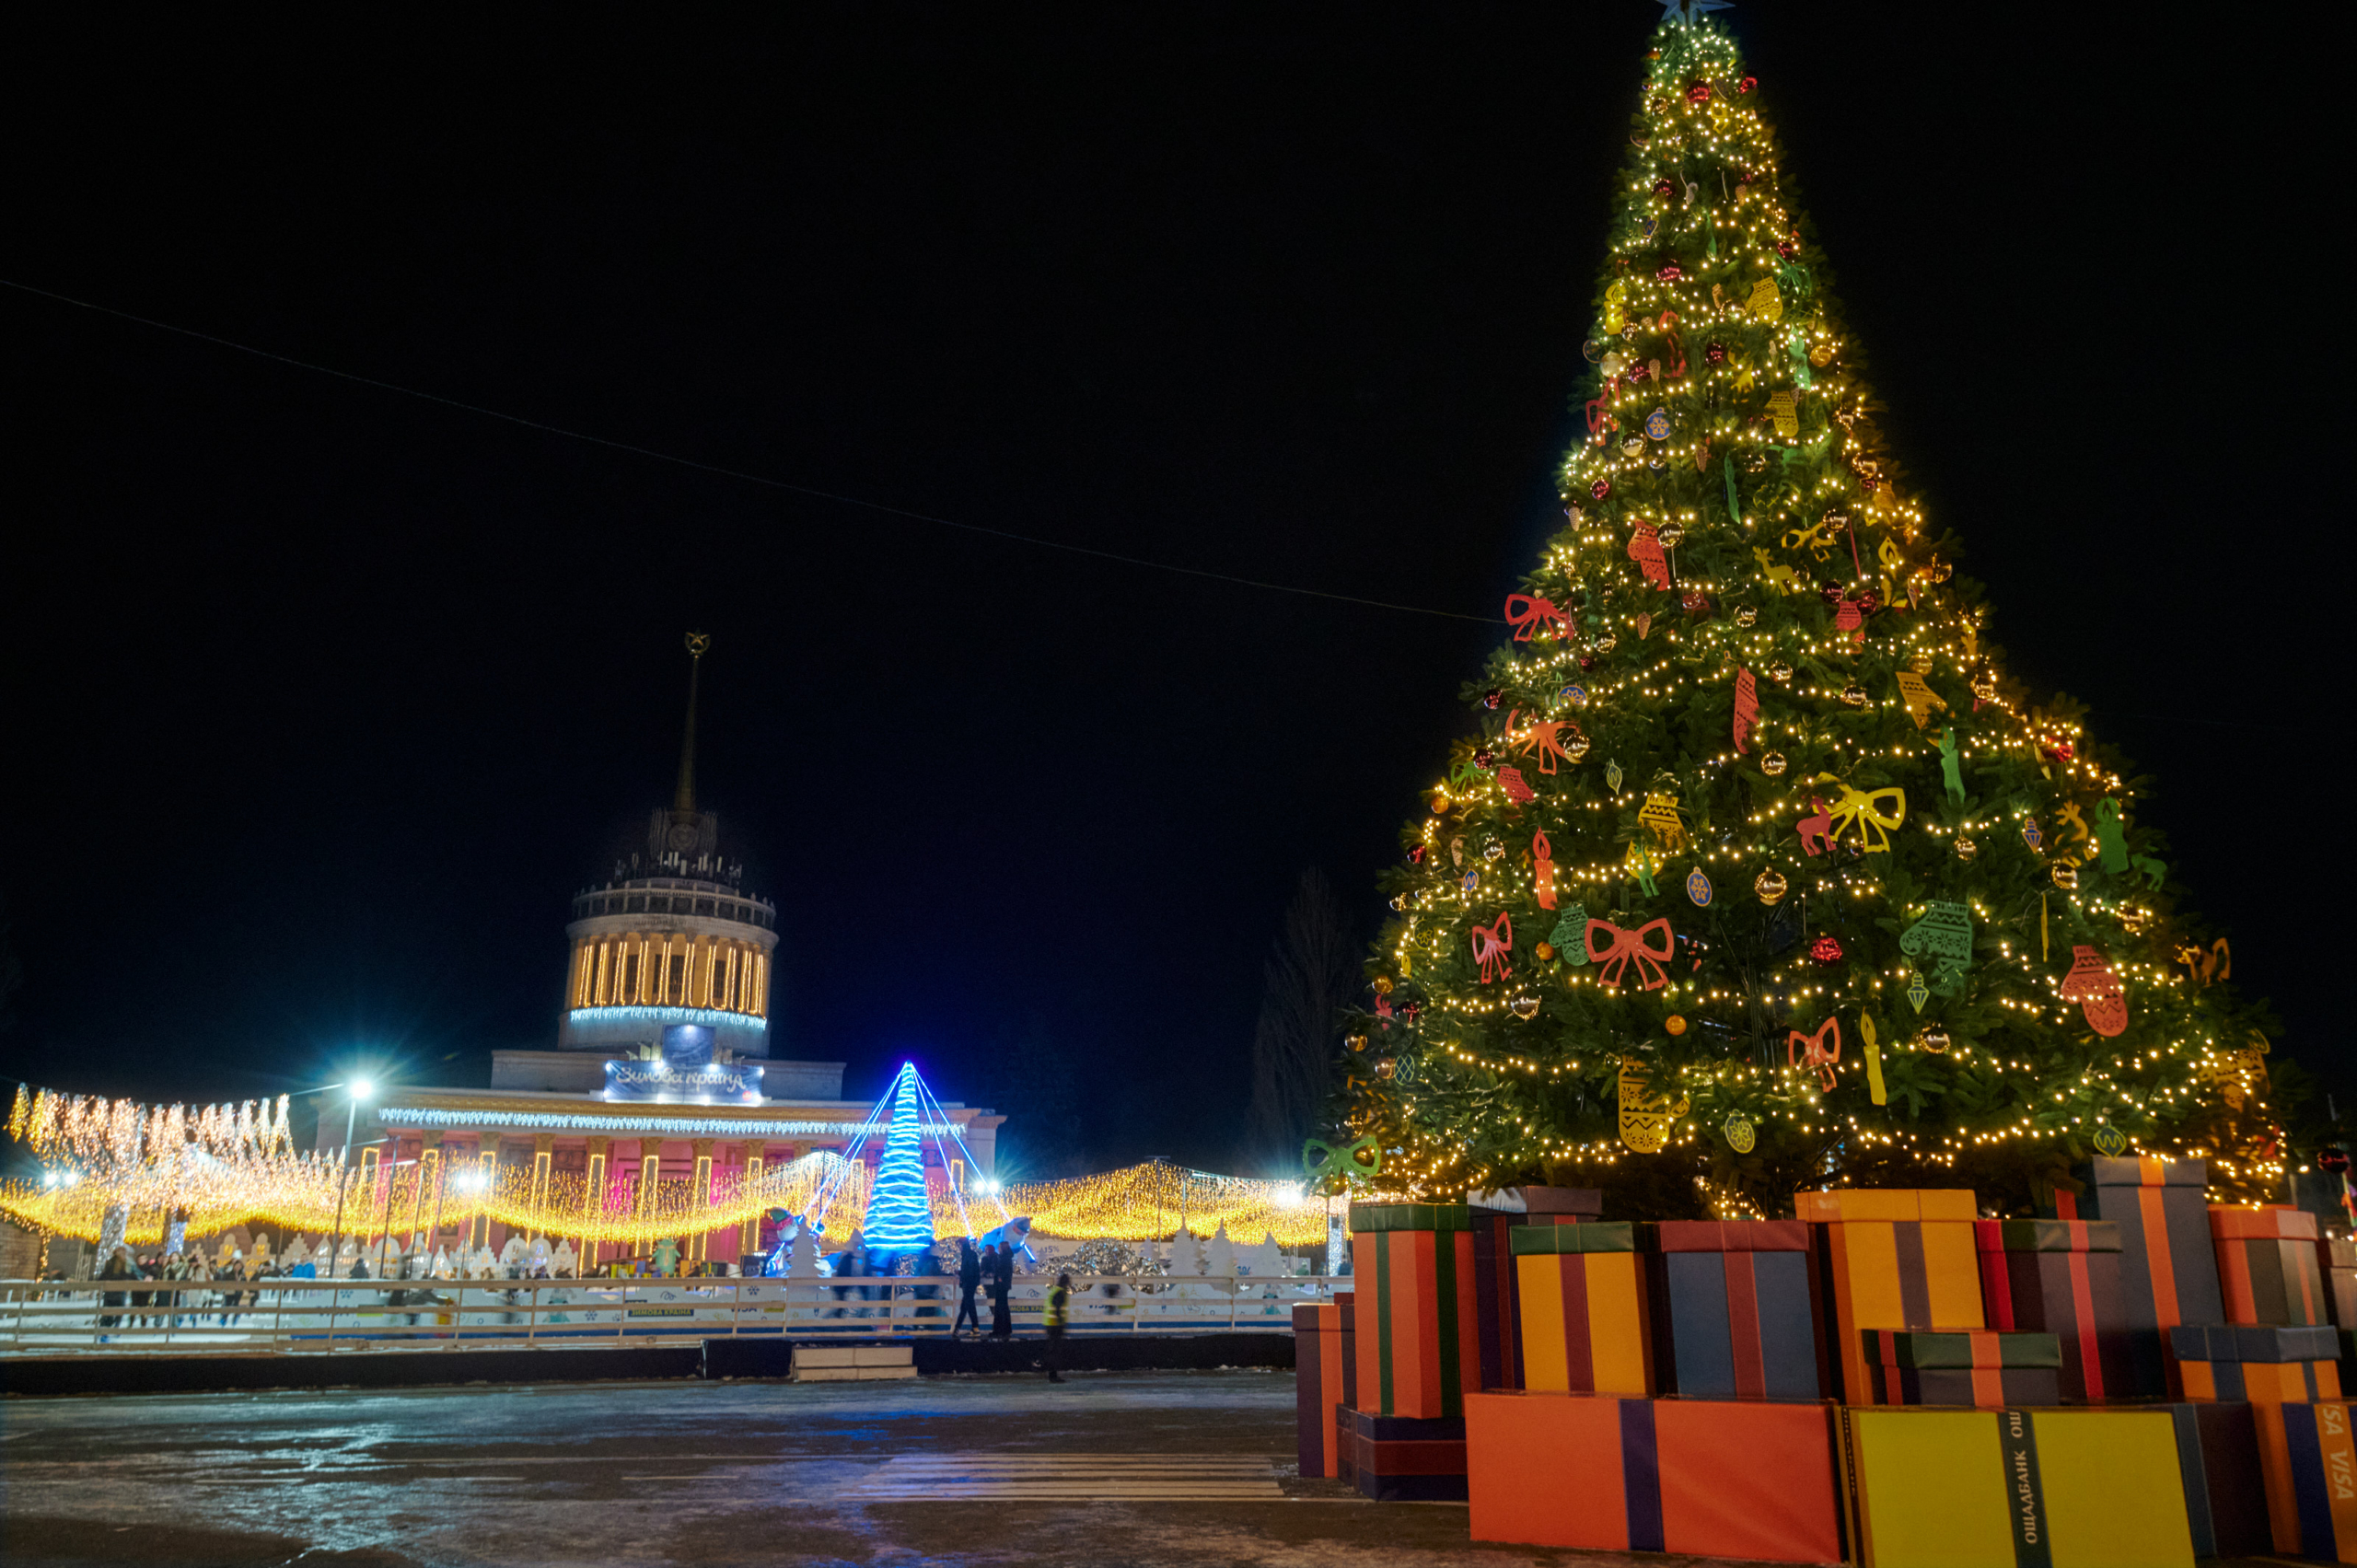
(1982,1367)
(2307,1459)
(1731,1310)
(2168,1268)
(1418,1316)
(2060,1277)
(1323,1381)
(2268,1271)
(1745,1480)
(1903,1259)
(2262,1363)
(1500,1302)
(2337,1259)
(1584,1320)
(1998,1489)
(2225,1491)
(1397,1458)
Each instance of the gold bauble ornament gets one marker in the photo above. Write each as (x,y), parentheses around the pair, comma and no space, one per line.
(1399,901)
(1605,642)
(1779,671)
(2066,877)
(1545,950)
(1821,355)
(1633,446)
(1773,764)
(1357,1042)
(1771,886)
(1440,806)
(1387,1067)
(1669,534)
(1383,985)
(1674,1024)
(1984,685)
(1934,1039)
(1922,663)
(1495,851)
(1854,694)
(1966,849)
(1746,617)
(1577,747)
(1523,1008)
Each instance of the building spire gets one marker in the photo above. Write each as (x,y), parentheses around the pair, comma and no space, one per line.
(683,801)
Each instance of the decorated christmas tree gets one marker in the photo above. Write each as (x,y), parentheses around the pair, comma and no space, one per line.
(1764,868)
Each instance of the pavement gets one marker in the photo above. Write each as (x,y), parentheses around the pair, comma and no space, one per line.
(1108,1469)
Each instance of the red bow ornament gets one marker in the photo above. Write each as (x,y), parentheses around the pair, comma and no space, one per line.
(2096,987)
(1814,1051)
(1649,947)
(1542,874)
(1491,945)
(1534,614)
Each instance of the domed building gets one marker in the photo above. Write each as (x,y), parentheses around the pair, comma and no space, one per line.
(662,1065)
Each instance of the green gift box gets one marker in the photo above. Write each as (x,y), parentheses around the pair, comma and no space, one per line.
(1916,1349)
(1539,1241)
(2056,1236)
(1366,1217)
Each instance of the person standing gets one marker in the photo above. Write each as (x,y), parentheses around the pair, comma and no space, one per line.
(117,1267)
(969,1275)
(998,1279)
(1053,1317)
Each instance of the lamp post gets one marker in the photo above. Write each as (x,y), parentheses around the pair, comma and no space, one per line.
(357,1090)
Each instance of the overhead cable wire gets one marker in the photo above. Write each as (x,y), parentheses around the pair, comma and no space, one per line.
(722,471)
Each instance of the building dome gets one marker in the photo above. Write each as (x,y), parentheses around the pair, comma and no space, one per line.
(671,936)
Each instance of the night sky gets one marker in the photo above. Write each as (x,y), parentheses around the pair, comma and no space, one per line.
(321,700)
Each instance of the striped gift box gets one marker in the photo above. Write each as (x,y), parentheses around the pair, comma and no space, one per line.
(1984,1368)
(2061,1277)
(1732,1317)
(1900,1258)
(1417,1314)
(2267,1265)
(2168,1267)
(2261,1363)
(1713,1479)
(1584,1327)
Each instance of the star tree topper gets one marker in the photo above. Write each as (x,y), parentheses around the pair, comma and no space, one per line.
(1690,10)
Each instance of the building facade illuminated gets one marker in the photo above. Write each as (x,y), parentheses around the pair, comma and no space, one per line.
(670,936)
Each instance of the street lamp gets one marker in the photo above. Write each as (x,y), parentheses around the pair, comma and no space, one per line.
(357,1090)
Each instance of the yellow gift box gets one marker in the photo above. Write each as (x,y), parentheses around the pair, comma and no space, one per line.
(2087,1487)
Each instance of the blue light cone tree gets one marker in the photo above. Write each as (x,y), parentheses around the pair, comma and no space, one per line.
(900,1216)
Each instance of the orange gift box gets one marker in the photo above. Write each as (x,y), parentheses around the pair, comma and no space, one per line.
(1897,1259)
(2267,1265)
(1714,1478)
(1584,1327)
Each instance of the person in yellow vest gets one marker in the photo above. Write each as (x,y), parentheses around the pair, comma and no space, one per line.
(1053,1318)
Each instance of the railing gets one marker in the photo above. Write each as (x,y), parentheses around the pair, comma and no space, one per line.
(284,1315)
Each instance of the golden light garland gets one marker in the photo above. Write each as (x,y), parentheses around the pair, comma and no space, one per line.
(221,1166)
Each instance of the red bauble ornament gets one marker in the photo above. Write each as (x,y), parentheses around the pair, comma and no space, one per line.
(1588,661)
(1484,757)
(1662,187)
(1831,593)
(1638,373)
(1600,489)
(1786,249)
(1696,602)
(1869,601)
(1672,272)
(1714,354)
(2335,1160)
(1746,85)
(1825,950)
(1492,699)
(1698,93)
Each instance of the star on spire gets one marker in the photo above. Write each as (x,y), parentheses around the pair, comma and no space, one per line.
(1690,10)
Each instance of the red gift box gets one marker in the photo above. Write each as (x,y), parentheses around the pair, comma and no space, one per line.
(1324,1373)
